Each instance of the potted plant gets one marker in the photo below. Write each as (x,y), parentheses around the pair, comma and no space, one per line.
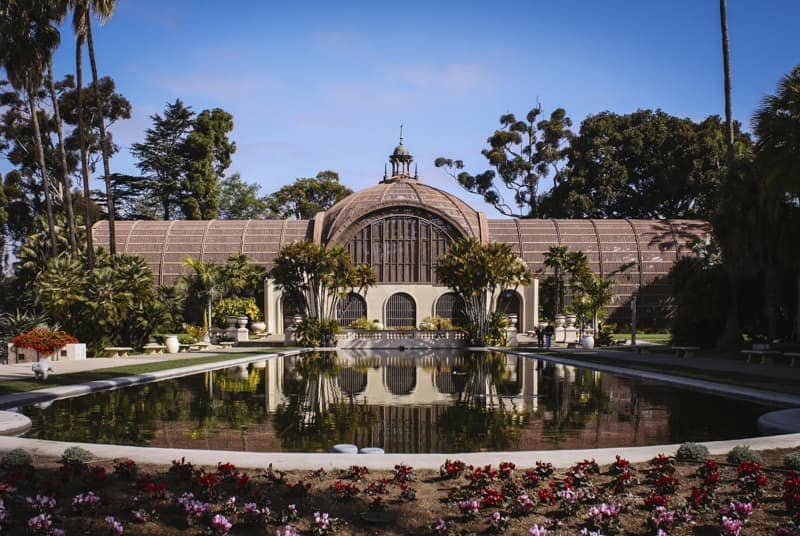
(45,341)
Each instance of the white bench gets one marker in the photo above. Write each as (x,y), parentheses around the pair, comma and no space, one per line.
(154,348)
(764,356)
(226,344)
(41,369)
(685,351)
(118,351)
(202,345)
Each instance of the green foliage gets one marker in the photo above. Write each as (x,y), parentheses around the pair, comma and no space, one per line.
(187,338)
(478,273)
(203,283)
(647,164)
(17,459)
(363,323)
(195,332)
(521,153)
(235,307)
(313,332)
(207,152)
(239,200)
(161,156)
(114,304)
(321,276)
(307,196)
(792,461)
(700,292)
(435,322)
(76,457)
(692,451)
(742,453)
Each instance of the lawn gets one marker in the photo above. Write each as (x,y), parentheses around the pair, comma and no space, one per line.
(655,338)
(55,380)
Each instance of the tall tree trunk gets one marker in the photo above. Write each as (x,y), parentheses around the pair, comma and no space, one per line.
(104,148)
(730,336)
(45,182)
(726,66)
(65,180)
(87,214)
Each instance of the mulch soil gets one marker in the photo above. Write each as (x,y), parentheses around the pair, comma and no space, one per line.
(412,503)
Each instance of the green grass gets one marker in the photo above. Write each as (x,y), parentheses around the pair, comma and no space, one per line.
(56,380)
(656,338)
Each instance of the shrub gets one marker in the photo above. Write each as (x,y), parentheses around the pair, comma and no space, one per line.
(742,453)
(185,338)
(16,459)
(312,332)
(235,307)
(363,323)
(435,322)
(76,457)
(692,451)
(792,461)
(196,332)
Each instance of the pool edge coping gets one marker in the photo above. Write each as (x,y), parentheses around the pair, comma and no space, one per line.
(309,461)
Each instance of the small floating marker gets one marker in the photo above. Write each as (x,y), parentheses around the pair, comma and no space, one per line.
(371,450)
(345,448)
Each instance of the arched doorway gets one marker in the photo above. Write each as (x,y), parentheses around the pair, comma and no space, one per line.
(401,311)
(449,306)
(292,304)
(351,308)
(510,303)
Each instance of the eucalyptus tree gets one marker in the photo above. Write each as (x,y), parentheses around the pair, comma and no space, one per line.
(521,153)
(479,273)
(27,41)
(102,9)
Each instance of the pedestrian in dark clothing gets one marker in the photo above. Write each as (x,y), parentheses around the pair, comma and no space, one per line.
(539,337)
(549,331)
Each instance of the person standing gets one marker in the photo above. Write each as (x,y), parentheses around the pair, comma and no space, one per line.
(549,331)
(539,337)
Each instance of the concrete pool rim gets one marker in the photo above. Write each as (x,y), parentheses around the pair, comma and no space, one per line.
(308,461)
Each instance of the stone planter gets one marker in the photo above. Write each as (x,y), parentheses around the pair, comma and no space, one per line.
(258,327)
(571,320)
(171,342)
(242,321)
(587,342)
(232,320)
(559,321)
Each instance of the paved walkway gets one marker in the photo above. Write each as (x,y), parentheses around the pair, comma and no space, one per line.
(734,363)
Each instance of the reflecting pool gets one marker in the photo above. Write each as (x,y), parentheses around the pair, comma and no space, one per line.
(411,401)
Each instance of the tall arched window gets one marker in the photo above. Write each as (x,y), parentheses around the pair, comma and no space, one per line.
(350,308)
(510,303)
(401,311)
(402,247)
(450,307)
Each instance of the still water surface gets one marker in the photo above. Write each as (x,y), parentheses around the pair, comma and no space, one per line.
(400,401)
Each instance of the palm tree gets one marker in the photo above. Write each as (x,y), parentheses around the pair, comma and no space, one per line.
(206,282)
(27,41)
(556,258)
(78,25)
(103,9)
(726,66)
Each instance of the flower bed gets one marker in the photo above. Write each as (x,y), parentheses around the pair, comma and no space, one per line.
(662,497)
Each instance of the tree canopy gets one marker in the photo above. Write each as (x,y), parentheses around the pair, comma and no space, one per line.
(307,196)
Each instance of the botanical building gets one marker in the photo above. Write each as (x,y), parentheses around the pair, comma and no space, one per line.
(400,227)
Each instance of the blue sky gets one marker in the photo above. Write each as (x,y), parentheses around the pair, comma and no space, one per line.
(325,85)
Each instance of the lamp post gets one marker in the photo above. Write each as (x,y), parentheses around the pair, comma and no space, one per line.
(633,320)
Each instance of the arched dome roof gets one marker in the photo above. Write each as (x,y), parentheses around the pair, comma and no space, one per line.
(339,220)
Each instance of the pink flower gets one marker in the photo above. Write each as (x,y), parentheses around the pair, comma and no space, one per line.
(731,527)
(221,524)
(288,530)
(114,525)
(536,530)
(322,520)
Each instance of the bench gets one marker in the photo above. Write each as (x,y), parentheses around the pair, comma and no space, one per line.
(117,351)
(200,346)
(185,347)
(685,351)
(226,344)
(764,356)
(153,348)
(792,357)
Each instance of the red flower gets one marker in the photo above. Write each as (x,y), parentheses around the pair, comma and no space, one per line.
(44,341)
